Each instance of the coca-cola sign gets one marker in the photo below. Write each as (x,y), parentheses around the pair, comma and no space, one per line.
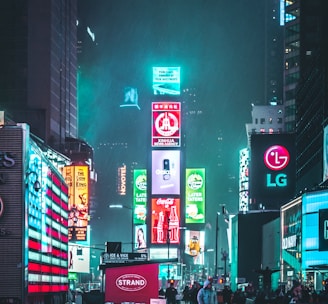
(131,282)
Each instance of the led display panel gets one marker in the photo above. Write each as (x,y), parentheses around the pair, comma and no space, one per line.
(272,170)
(325,154)
(165,172)
(166,80)
(314,229)
(47,233)
(139,196)
(140,232)
(77,179)
(165,220)
(166,124)
(195,245)
(195,196)
(243,179)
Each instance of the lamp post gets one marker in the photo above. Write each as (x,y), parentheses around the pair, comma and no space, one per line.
(168,241)
(216,244)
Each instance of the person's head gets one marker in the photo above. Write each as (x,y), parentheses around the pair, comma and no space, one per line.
(208,284)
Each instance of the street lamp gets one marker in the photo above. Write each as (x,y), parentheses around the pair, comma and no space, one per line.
(216,244)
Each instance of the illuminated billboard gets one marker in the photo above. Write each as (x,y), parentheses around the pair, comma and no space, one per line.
(166,80)
(47,234)
(195,196)
(165,172)
(165,220)
(272,170)
(314,229)
(139,196)
(166,124)
(130,98)
(243,179)
(140,232)
(325,154)
(77,179)
(195,245)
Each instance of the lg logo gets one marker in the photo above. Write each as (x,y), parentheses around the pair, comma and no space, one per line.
(276,158)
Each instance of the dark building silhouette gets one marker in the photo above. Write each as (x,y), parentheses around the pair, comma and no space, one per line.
(39,63)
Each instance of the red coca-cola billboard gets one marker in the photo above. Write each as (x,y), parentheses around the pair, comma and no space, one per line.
(137,283)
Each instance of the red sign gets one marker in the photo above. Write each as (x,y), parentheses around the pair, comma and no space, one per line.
(165,220)
(137,283)
(276,157)
(166,124)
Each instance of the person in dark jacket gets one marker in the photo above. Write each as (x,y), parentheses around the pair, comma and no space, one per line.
(170,294)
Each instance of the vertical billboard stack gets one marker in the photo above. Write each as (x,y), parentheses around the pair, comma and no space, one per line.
(166,166)
(77,179)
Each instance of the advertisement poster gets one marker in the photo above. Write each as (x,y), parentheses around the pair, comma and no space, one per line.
(131,284)
(77,179)
(195,245)
(78,258)
(195,196)
(166,124)
(165,172)
(140,196)
(166,80)
(165,220)
(140,232)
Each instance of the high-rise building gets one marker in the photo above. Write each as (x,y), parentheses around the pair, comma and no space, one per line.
(273,53)
(39,63)
(306,70)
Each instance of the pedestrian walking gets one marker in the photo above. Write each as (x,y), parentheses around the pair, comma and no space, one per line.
(206,295)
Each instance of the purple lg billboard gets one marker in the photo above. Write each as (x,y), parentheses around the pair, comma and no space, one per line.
(165,172)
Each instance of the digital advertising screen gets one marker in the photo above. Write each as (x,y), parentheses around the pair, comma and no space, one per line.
(243,179)
(166,80)
(166,124)
(139,196)
(325,154)
(77,179)
(165,172)
(195,196)
(165,220)
(79,258)
(272,170)
(168,271)
(47,233)
(140,233)
(195,245)
(315,229)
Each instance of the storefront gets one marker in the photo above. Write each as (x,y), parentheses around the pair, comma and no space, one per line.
(304,240)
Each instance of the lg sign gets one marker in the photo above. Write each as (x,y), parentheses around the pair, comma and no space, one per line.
(276,158)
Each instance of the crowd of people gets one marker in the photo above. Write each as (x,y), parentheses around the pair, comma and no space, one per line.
(206,294)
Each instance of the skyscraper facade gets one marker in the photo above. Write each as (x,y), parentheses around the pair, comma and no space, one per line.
(39,67)
(305,86)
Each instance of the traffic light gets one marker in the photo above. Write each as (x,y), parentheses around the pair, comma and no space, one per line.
(221,280)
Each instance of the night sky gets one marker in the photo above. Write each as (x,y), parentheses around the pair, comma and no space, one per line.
(219,46)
